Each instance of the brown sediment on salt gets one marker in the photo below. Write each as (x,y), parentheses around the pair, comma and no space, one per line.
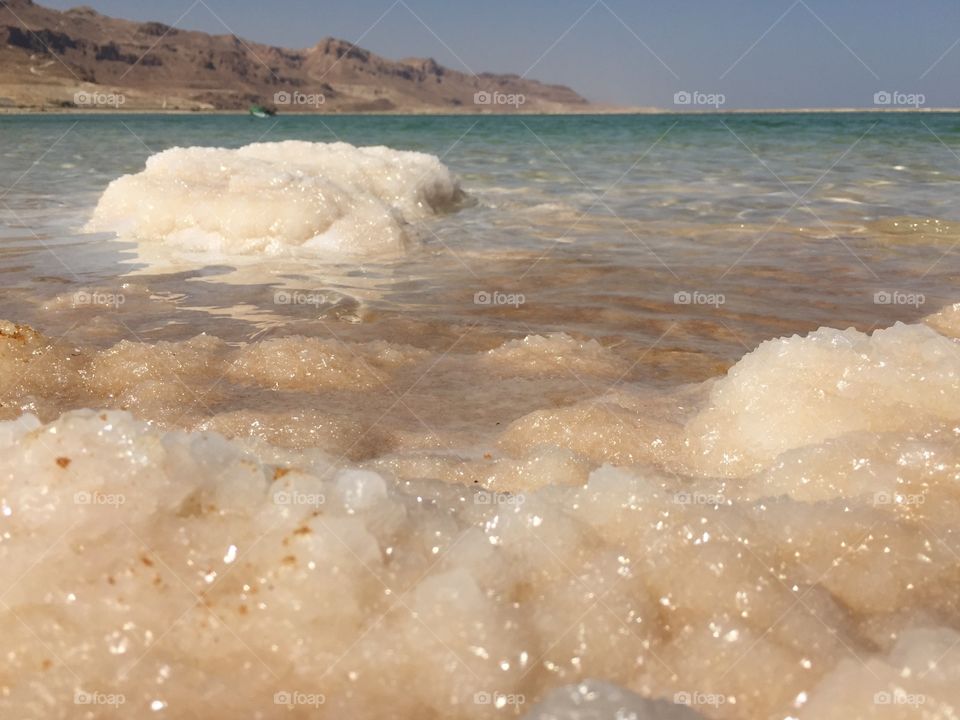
(15,332)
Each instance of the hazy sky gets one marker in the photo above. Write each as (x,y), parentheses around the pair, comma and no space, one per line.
(757,53)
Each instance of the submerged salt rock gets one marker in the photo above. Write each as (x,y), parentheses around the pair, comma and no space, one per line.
(34,368)
(555,354)
(272,197)
(302,429)
(601,429)
(302,363)
(157,381)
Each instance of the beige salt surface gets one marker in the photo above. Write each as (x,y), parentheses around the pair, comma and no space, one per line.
(779,542)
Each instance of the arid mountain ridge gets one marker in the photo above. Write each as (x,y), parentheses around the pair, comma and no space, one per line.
(80,58)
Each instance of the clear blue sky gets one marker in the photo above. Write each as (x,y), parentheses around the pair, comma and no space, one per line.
(822,53)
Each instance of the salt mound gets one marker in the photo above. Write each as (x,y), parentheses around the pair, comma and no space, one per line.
(946,321)
(556,353)
(277,197)
(310,363)
(185,573)
(799,391)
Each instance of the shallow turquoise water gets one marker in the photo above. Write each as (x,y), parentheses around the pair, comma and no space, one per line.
(797,220)
(686,159)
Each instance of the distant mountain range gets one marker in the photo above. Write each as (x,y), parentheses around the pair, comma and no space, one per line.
(80,58)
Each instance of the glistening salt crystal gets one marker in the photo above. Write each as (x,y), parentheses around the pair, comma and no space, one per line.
(272,198)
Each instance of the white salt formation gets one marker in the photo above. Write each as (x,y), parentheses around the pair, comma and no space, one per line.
(780,543)
(274,198)
(796,392)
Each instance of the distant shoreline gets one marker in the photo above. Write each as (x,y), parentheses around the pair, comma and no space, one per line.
(594,111)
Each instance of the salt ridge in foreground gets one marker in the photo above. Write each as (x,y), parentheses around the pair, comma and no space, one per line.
(788,550)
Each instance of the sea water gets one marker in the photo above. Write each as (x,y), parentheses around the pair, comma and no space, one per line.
(656,414)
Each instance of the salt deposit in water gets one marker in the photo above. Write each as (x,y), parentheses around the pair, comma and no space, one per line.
(274,198)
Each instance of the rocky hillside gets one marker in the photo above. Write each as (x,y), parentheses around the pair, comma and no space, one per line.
(80,58)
